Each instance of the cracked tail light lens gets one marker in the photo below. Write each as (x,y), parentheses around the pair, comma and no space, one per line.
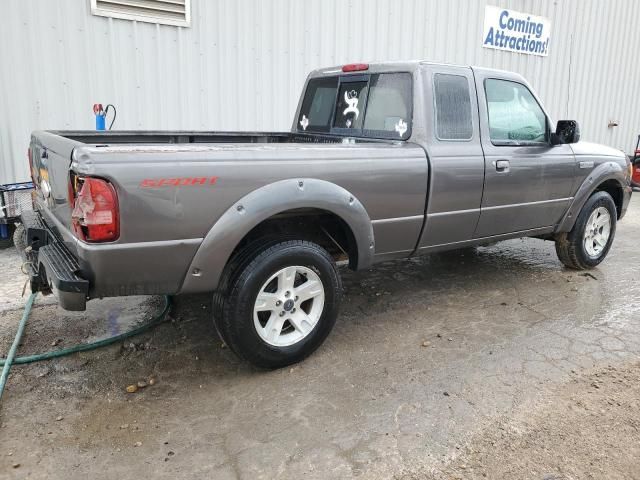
(95,210)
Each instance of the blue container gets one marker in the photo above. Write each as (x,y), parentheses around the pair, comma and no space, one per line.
(100,121)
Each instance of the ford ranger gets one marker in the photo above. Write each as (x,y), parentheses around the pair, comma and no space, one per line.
(383,161)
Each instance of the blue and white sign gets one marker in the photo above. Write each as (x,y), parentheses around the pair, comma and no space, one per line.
(518,32)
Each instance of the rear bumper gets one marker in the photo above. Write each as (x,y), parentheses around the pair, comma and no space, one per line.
(52,267)
(108,269)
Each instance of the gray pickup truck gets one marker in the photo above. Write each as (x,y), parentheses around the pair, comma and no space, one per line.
(383,161)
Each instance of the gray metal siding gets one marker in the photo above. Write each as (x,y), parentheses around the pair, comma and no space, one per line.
(242,63)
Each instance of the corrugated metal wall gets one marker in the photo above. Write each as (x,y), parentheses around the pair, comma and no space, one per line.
(242,63)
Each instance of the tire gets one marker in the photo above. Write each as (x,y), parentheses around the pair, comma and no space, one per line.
(238,263)
(273,337)
(573,247)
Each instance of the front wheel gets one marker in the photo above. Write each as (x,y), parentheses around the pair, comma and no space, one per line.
(588,243)
(280,304)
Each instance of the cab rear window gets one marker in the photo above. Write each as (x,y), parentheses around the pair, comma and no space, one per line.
(372,105)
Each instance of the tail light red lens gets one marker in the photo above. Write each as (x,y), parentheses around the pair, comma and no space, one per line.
(95,210)
(355,67)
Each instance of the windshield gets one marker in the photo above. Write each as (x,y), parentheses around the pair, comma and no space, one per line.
(377,106)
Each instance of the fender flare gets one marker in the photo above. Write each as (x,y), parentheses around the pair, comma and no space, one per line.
(600,174)
(215,250)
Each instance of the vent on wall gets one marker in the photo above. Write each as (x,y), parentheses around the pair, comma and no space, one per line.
(167,12)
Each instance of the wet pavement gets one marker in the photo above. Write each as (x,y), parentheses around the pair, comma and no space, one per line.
(426,353)
(13,281)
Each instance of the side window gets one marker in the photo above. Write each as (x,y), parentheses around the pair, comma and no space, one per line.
(514,114)
(453,107)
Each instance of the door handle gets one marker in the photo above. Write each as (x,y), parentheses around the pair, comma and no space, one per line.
(501,165)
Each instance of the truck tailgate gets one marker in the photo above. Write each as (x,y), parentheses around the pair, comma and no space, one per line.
(50,159)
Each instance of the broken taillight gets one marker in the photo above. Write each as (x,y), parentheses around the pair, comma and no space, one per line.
(95,210)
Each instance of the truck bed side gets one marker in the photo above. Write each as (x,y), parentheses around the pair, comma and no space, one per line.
(165,214)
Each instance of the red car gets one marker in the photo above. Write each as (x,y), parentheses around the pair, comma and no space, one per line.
(635,161)
(635,179)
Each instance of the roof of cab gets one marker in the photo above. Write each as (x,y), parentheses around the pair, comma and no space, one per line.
(405,65)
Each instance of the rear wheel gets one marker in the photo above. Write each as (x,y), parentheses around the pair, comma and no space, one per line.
(588,243)
(280,303)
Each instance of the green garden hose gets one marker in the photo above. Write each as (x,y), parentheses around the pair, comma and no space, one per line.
(83,347)
(16,341)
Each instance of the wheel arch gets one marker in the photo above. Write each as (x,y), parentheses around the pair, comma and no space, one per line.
(608,177)
(317,225)
(279,200)
(613,188)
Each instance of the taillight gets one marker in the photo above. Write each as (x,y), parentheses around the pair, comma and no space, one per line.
(355,67)
(95,210)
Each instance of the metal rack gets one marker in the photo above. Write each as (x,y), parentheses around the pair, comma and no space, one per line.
(15,198)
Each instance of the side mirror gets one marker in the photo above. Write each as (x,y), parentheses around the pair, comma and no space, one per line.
(567,131)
